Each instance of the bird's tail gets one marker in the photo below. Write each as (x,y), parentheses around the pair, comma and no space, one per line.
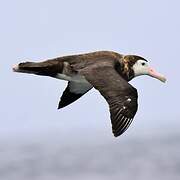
(46,68)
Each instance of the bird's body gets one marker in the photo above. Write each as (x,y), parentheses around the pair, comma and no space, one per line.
(107,71)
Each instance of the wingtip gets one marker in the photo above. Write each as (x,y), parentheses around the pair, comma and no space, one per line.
(60,106)
(115,135)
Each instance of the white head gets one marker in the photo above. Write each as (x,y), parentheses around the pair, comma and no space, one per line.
(141,67)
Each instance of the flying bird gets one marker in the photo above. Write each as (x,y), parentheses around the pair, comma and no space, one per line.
(106,71)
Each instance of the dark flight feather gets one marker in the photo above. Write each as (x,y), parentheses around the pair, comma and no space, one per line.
(120,95)
(69,96)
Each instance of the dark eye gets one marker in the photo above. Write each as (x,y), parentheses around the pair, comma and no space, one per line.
(143,63)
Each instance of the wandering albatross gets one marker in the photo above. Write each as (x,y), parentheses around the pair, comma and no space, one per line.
(106,71)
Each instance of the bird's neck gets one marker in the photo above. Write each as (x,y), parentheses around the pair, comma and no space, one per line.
(125,71)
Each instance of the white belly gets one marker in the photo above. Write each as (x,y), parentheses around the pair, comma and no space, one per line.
(78,84)
(75,78)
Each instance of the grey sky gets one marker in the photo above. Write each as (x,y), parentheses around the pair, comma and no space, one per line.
(38,30)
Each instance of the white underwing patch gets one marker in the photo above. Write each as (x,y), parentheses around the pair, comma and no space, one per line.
(78,84)
(79,88)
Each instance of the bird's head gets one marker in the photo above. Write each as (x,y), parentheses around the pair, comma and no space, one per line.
(137,66)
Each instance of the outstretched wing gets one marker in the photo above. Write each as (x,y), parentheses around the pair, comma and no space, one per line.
(120,95)
(73,92)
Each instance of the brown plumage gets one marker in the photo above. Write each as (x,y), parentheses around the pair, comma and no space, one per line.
(107,71)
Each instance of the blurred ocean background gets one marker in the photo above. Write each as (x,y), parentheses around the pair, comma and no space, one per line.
(90,157)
